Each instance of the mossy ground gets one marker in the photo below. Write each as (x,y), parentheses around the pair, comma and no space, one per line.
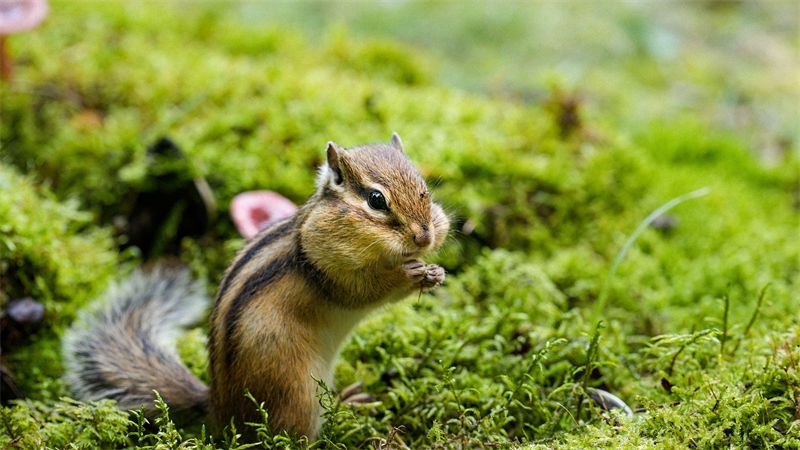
(548,164)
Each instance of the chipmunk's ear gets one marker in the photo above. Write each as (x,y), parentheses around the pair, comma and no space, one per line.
(334,163)
(396,142)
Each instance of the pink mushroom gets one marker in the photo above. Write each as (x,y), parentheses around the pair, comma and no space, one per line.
(253,211)
(17,16)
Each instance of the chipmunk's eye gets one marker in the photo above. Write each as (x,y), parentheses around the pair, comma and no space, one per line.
(376,200)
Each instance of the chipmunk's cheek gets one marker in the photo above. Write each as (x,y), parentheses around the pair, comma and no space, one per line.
(441,225)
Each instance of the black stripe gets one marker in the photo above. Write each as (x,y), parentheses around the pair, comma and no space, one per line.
(311,273)
(329,194)
(269,236)
(255,284)
(277,231)
(88,370)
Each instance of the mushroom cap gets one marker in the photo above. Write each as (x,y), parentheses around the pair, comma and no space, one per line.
(252,211)
(21,15)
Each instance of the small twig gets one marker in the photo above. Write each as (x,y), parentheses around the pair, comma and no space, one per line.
(714,394)
(591,357)
(694,339)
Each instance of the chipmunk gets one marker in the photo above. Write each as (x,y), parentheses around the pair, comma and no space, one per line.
(285,304)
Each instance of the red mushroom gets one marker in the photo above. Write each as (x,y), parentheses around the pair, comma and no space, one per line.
(17,16)
(252,211)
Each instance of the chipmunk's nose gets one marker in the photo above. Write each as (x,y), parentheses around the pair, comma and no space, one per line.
(422,236)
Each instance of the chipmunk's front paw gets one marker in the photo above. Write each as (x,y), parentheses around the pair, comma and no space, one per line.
(423,275)
(352,395)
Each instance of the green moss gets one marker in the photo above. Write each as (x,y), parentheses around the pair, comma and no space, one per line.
(713,402)
(51,252)
(63,424)
(41,240)
(688,335)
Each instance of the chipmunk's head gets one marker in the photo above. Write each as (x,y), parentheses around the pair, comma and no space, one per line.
(380,206)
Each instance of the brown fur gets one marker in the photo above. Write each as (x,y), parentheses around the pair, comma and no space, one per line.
(342,259)
(291,296)
(125,348)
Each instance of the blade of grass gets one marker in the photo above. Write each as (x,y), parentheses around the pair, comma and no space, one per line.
(601,300)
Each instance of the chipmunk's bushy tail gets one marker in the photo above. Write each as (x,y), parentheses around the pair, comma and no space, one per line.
(125,349)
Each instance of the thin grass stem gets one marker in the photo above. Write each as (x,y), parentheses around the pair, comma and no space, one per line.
(601,300)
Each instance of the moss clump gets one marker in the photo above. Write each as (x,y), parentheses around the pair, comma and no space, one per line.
(51,250)
(545,190)
(64,424)
(53,253)
(711,402)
